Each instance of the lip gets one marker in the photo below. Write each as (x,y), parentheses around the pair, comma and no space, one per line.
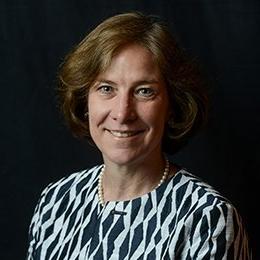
(124,133)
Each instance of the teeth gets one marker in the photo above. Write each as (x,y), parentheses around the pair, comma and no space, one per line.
(122,134)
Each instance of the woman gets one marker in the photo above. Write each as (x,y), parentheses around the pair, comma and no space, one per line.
(131,91)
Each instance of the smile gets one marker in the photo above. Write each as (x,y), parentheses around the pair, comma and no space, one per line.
(123,134)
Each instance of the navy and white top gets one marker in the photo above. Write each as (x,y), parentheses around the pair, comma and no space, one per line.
(184,218)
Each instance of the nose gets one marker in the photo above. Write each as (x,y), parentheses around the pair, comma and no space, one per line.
(123,109)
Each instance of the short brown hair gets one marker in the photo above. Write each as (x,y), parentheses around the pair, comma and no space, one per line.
(188,99)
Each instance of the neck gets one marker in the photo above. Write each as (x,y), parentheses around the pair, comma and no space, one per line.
(125,182)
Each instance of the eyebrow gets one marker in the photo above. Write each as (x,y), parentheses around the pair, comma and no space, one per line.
(138,82)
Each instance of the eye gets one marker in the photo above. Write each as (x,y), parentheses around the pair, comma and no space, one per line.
(145,92)
(105,89)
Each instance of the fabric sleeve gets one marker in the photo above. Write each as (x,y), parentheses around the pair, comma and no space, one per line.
(35,226)
(217,233)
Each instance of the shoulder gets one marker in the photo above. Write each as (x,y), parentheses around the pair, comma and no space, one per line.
(71,184)
(190,186)
(207,219)
(203,207)
(196,199)
(56,199)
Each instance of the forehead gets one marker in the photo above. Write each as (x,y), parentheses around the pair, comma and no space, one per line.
(134,60)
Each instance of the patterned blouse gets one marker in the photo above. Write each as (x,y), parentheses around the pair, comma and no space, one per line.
(184,218)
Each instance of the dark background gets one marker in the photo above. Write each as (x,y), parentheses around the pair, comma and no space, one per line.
(36,147)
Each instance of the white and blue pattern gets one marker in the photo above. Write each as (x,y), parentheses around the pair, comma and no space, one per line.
(182,219)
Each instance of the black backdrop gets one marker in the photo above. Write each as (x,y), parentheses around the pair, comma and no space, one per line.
(36,148)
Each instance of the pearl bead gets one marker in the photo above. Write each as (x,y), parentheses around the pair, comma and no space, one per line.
(100,180)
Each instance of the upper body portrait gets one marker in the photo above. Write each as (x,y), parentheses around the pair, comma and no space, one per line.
(132,92)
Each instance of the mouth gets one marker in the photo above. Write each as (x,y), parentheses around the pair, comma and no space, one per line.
(124,134)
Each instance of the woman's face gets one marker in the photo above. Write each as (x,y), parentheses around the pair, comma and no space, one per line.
(128,106)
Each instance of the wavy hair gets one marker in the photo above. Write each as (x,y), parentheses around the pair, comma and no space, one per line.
(92,56)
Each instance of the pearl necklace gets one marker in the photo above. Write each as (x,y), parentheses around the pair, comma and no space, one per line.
(100,179)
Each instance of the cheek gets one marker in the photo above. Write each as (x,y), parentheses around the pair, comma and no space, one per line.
(156,115)
(93,117)
(96,111)
(94,127)
(92,101)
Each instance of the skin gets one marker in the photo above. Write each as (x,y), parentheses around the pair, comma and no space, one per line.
(128,106)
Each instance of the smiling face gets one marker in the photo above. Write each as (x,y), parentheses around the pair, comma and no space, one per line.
(128,107)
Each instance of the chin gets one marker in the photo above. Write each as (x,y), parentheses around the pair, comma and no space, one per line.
(122,158)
